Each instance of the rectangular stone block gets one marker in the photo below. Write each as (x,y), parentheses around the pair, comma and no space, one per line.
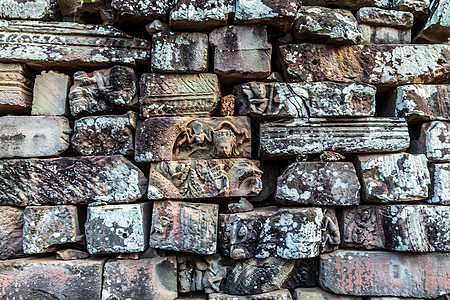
(284,138)
(184,226)
(170,138)
(11,232)
(50,94)
(40,278)
(140,11)
(347,4)
(15,88)
(440,184)
(433,141)
(105,135)
(45,10)
(378,17)
(146,278)
(178,94)
(275,295)
(317,293)
(437,28)
(33,136)
(120,228)
(384,35)
(70,180)
(376,273)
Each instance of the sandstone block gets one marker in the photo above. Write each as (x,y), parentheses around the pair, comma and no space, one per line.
(148,278)
(15,88)
(70,180)
(318,183)
(241,52)
(71,254)
(317,293)
(192,179)
(420,9)
(347,4)
(169,138)
(41,278)
(179,52)
(140,10)
(184,226)
(33,136)
(47,227)
(433,141)
(105,135)
(300,136)
(384,35)
(440,184)
(178,94)
(386,18)
(275,295)
(388,274)
(241,205)
(45,10)
(317,24)
(437,27)
(117,228)
(11,233)
(50,94)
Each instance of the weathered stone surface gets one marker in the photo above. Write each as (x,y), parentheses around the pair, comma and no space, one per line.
(437,28)
(300,136)
(227,105)
(45,10)
(69,45)
(141,10)
(317,24)
(184,226)
(412,228)
(105,135)
(33,136)
(11,224)
(433,141)
(70,180)
(318,183)
(50,94)
(440,184)
(106,90)
(241,52)
(419,8)
(85,11)
(148,278)
(269,181)
(348,4)
(43,278)
(242,205)
(192,179)
(178,94)
(317,293)
(169,138)
(71,254)
(156,26)
(117,228)
(384,35)
(384,66)
(179,52)
(275,295)
(15,88)
(386,18)
(377,273)
(297,100)
(47,227)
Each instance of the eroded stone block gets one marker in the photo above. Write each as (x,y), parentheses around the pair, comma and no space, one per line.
(85,11)
(386,18)
(15,88)
(440,184)
(384,35)
(141,10)
(348,4)
(11,233)
(433,141)
(50,94)
(275,295)
(317,293)
(45,10)
(437,27)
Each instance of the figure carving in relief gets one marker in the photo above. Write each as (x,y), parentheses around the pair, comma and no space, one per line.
(365,220)
(162,224)
(330,234)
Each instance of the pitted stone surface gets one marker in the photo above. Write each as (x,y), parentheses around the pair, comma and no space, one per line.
(16,87)
(433,141)
(45,10)
(385,18)
(141,10)
(50,94)
(11,232)
(440,184)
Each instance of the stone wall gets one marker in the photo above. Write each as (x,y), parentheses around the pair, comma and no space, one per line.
(226,150)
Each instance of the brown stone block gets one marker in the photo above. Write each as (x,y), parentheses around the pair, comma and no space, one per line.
(275,295)
(15,88)
(384,35)
(11,233)
(317,293)
(433,141)
(378,17)
(348,4)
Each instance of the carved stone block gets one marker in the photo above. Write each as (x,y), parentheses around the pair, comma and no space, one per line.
(105,135)
(70,180)
(275,295)
(117,228)
(33,136)
(50,94)
(300,136)
(169,138)
(393,177)
(141,10)
(192,179)
(317,293)
(184,226)
(437,27)
(440,184)
(318,183)
(11,233)
(387,274)
(178,94)
(411,228)
(179,52)
(47,227)
(15,88)
(433,141)
(45,10)
(106,90)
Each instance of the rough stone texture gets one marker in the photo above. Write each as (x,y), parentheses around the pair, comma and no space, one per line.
(50,94)
(227,105)
(384,35)
(323,25)
(192,179)
(106,90)
(148,278)
(169,138)
(179,52)
(419,8)
(47,227)
(386,18)
(393,177)
(275,295)
(85,11)
(298,137)
(184,226)
(45,10)
(317,293)
(437,27)
(348,4)
(241,52)
(33,136)
(384,66)
(177,94)
(71,254)
(412,228)
(318,183)
(290,233)
(269,181)
(377,273)
(156,26)
(433,141)
(296,100)
(15,88)
(70,180)
(11,224)
(105,135)
(44,278)
(242,205)
(140,10)
(440,184)
(69,45)
(117,228)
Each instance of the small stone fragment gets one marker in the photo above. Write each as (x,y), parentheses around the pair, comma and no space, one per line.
(184,226)
(16,88)
(127,256)
(433,141)
(440,184)
(437,27)
(331,156)
(317,293)
(275,295)
(50,94)
(11,232)
(71,254)
(242,205)
(227,106)
(45,10)
(157,26)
